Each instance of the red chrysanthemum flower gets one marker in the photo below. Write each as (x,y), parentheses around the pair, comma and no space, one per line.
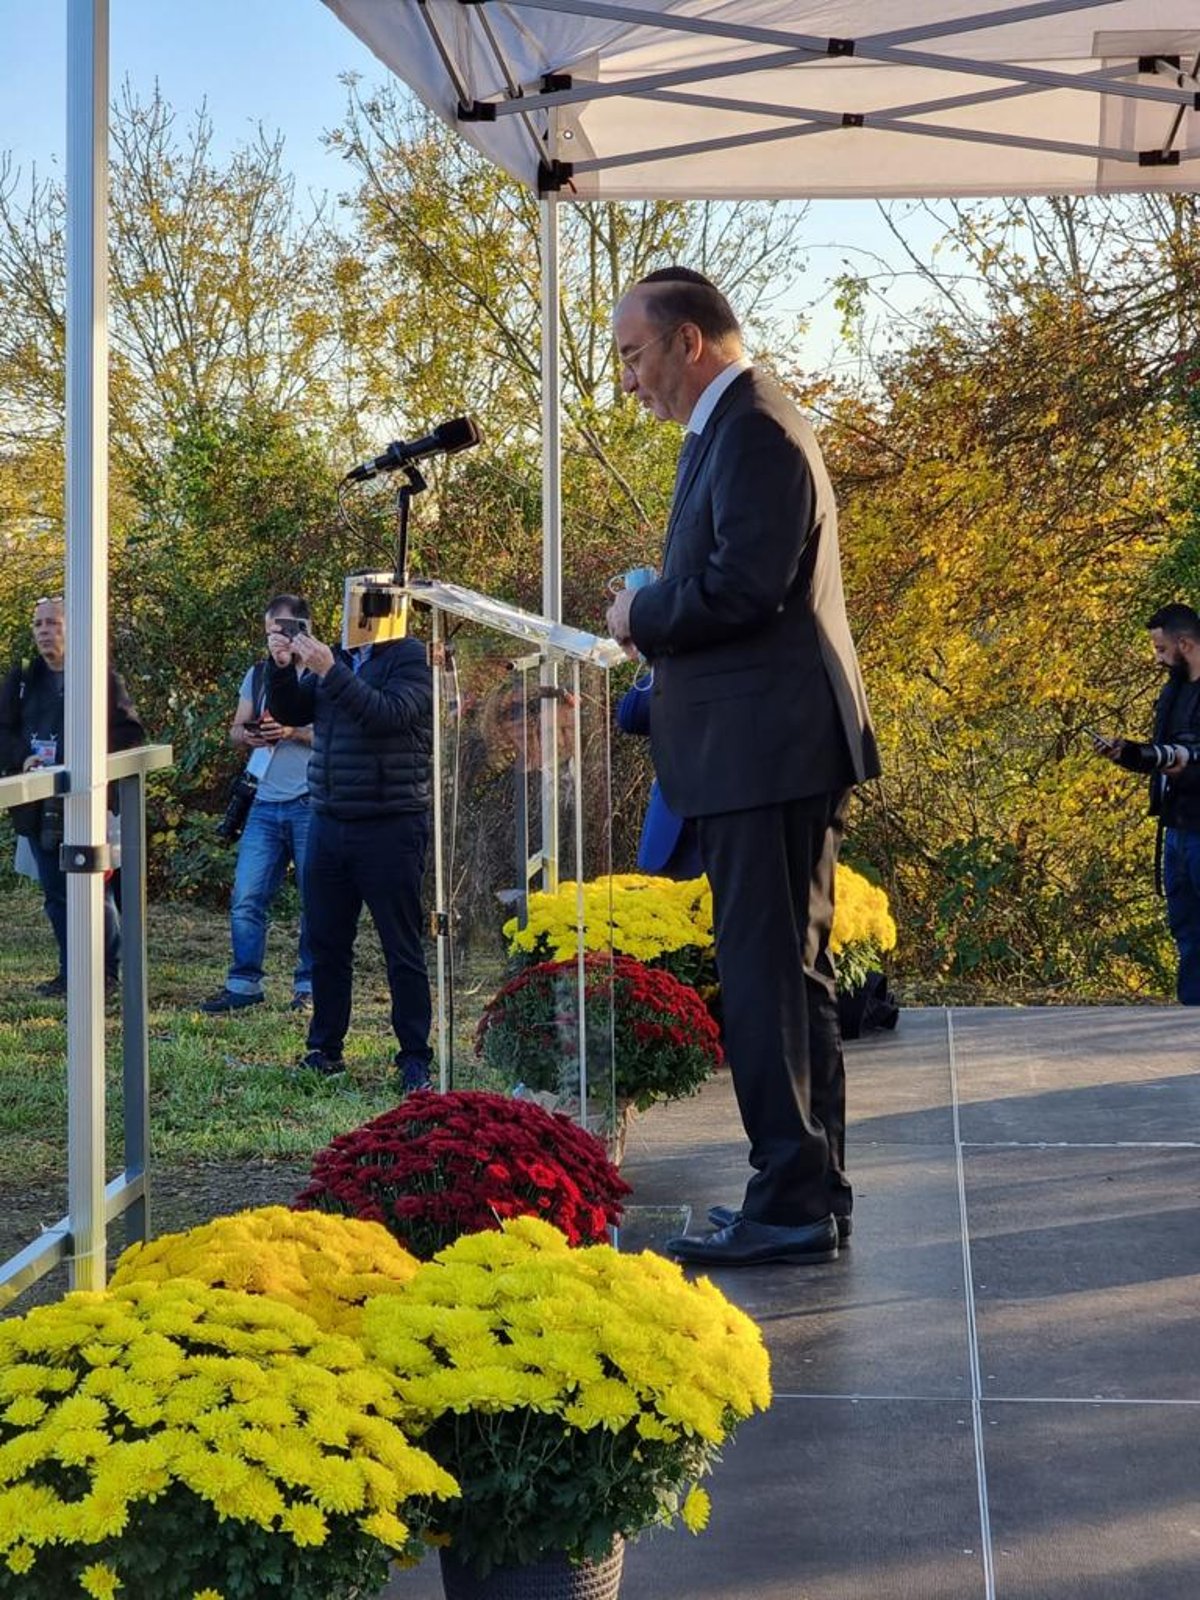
(657,1032)
(441,1165)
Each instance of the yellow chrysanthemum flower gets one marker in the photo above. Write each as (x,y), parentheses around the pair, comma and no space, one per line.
(695,1510)
(590,1343)
(243,1401)
(648,918)
(100,1581)
(327,1266)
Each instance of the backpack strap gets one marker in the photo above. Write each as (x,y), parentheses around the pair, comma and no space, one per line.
(258,687)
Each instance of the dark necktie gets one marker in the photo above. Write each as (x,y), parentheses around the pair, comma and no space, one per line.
(691,443)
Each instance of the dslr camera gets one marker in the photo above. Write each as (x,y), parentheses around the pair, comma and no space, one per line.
(1157,757)
(291,626)
(237,807)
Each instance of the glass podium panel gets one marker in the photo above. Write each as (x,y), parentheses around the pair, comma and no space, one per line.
(522,855)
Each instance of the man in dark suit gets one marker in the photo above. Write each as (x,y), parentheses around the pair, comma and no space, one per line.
(759,729)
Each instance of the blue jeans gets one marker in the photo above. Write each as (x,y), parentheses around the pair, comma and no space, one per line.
(276,833)
(1181,880)
(54,897)
(379,863)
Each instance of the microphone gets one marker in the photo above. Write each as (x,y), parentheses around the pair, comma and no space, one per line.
(448,438)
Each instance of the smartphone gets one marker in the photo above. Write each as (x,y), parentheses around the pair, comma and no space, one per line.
(291,626)
(253,725)
(1100,738)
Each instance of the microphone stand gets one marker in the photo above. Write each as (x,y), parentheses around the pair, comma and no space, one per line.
(404,496)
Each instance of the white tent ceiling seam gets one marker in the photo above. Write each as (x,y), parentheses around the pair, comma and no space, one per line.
(611,99)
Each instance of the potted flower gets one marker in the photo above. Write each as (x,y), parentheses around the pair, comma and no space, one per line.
(669,924)
(184,1442)
(324,1265)
(659,921)
(577,1395)
(664,1041)
(863,927)
(440,1165)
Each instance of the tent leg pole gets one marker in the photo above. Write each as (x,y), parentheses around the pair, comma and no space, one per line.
(551,522)
(86,719)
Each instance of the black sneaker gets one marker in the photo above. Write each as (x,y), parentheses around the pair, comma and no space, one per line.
(225,1001)
(318,1061)
(54,988)
(301,1001)
(412,1074)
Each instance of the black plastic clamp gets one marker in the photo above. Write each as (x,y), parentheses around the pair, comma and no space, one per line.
(85,857)
(554,175)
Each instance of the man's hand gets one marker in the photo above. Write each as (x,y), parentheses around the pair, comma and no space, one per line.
(250,736)
(1182,757)
(617,618)
(1106,745)
(270,731)
(280,647)
(310,653)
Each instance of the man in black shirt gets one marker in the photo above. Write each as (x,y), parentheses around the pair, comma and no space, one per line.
(1172,760)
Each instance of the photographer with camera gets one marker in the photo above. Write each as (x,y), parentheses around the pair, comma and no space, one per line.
(371,787)
(32,723)
(1172,762)
(268,811)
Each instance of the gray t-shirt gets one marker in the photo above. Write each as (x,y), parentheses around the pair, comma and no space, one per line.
(282,770)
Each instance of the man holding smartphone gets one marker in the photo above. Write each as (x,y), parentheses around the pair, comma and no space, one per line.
(276,831)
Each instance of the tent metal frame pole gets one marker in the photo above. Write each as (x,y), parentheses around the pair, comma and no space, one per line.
(86,684)
(801,49)
(1010,141)
(551,522)
(833,119)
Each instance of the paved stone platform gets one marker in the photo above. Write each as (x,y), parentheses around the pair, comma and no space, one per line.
(994,1393)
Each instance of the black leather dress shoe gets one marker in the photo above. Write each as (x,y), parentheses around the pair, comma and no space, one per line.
(722,1216)
(751,1244)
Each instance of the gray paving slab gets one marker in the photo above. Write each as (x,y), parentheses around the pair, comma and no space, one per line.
(1094,1502)
(1097,1074)
(1080,1167)
(1087,1272)
(818,1500)
(888,1317)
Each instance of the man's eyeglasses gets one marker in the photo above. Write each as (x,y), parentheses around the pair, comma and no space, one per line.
(630,361)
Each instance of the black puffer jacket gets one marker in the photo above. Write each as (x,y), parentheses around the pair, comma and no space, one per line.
(31,704)
(372,750)
(1176,800)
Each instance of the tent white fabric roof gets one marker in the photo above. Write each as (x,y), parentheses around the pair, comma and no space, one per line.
(807,98)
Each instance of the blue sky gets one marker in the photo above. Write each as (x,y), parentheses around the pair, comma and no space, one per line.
(277,62)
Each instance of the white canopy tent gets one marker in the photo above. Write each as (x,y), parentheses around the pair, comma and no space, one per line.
(626,99)
(608,100)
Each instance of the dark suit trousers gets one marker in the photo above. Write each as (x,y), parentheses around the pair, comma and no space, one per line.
(379,863)
(772,876)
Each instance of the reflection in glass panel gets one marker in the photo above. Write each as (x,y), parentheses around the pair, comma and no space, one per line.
(522,816)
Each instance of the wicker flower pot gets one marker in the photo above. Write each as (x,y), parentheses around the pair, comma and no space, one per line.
(555,1578)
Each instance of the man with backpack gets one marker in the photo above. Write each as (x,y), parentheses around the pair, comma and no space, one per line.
(32,723)
(275,832)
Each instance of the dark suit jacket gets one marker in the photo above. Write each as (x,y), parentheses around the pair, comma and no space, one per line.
(757,694)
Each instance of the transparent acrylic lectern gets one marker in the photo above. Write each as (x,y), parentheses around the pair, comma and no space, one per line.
(522,830)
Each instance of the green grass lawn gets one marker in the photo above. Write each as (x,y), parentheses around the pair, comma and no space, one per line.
(220,1086)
